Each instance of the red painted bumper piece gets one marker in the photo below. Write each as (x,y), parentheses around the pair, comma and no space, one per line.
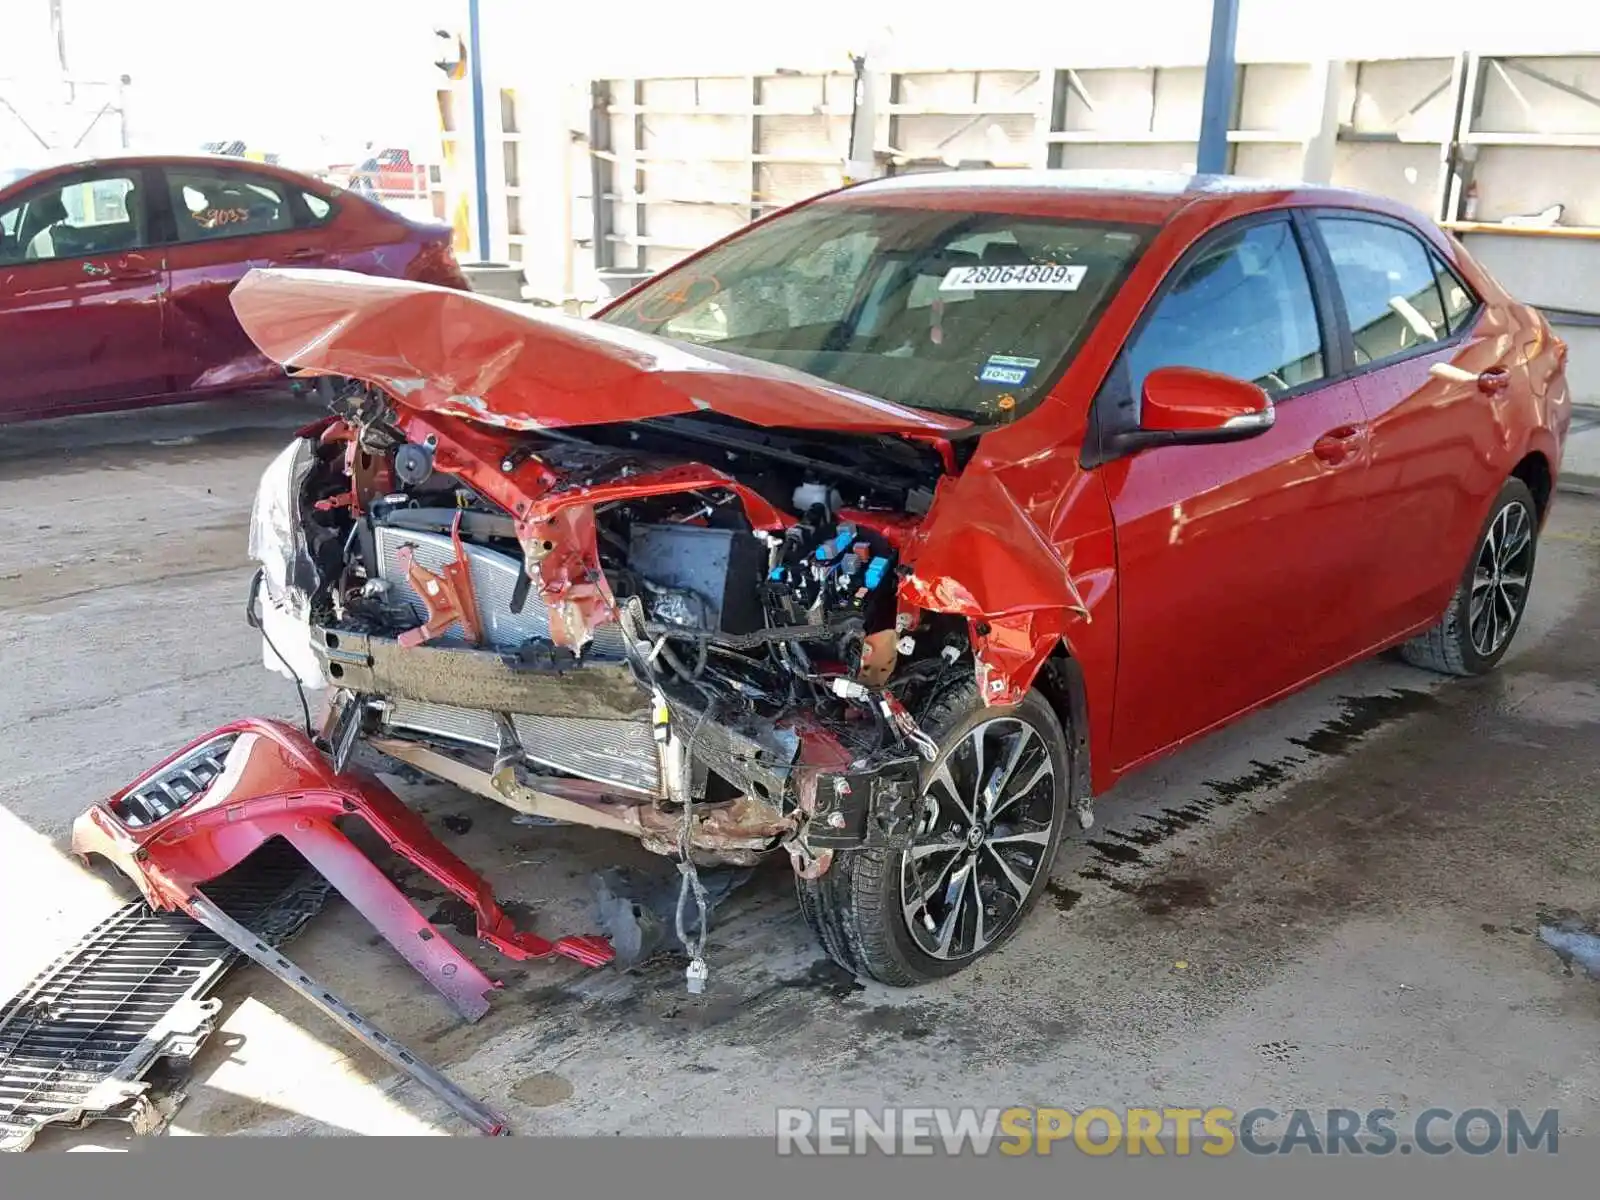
(275,783)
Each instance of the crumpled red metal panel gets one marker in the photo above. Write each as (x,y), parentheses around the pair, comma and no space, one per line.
(517,367)
(571,582)
(1024,552)
(554,515)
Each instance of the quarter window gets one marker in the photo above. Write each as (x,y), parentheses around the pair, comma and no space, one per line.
(316,206)
(209,205)
(1242,308)
(1397,294)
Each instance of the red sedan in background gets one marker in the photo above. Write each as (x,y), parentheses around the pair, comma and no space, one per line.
(115,274)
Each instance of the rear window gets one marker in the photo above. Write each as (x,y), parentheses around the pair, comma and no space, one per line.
(966,313)
(210,204)
(1397,294)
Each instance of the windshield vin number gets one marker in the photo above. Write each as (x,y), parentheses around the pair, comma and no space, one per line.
(1035,277)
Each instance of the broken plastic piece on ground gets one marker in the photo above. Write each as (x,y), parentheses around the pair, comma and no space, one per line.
(210,805)
(56,1069)
(1575,941)
(483,1118)
(638,915)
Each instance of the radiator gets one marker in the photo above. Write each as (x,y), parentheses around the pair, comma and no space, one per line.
(620,752)
(494,578)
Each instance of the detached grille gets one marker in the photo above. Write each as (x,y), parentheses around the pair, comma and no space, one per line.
(175,785)
(78,1042)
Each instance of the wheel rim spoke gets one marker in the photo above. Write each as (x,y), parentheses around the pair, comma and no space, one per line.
(952,920)
(921,852)
(1024,789)
(1033,837)
(1020,887)
(916,902)
(980,926)
(975,740)
(943,779)
(996,786)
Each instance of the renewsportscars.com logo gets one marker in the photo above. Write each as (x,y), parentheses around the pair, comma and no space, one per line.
(1212,1132)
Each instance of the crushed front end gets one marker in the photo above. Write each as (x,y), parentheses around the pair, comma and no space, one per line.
(598,626)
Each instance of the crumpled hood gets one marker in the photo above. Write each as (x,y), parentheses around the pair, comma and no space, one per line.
(517,367)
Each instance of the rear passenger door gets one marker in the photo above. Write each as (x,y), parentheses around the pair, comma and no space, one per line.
(1241,566)
(1433,439)
(220,222)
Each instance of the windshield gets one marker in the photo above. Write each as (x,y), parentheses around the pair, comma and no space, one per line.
(959,312)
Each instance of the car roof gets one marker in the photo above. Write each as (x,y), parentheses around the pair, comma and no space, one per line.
(1153,197)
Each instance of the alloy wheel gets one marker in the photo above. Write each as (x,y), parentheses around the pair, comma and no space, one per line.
(1500,579)
(983,834)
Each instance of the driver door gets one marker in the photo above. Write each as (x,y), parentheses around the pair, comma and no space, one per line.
(80,295)
(1242,566)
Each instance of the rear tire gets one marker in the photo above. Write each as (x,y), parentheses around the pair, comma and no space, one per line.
(1486,610)
(858,909)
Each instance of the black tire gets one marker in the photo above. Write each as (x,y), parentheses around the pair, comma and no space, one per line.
(855,909)
(1449,647)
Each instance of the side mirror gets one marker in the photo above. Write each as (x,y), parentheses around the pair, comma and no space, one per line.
(1185,406)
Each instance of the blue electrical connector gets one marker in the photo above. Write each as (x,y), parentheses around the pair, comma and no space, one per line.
(831,550)
(876,569)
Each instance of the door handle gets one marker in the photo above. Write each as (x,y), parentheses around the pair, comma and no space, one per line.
(96,270)
(1340,445)
(1494,381)
(1490,382)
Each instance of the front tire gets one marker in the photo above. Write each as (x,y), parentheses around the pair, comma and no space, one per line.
(1477,628)
(993,806)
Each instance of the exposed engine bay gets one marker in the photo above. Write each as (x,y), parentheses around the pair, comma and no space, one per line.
(685,628)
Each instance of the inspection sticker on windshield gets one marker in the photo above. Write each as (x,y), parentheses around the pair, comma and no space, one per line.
(1034,277)
(1007,369)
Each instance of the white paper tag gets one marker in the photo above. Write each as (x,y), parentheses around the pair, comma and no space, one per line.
(1032,277)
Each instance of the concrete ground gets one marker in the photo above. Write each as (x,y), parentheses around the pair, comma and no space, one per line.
(1331,904)
(1581,460)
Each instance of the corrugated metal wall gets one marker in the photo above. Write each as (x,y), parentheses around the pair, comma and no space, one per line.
(692,159)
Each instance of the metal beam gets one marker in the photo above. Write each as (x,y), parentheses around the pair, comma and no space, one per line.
(1216,109)
(601,164)
(480,164)
(58,28)
(1317,155)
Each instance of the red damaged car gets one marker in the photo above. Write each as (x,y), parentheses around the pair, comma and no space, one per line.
(115,274)
(888,531)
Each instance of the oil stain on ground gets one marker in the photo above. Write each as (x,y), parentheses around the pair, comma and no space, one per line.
(1360,715)
(1118,848)
(1166,896)
(542,1089)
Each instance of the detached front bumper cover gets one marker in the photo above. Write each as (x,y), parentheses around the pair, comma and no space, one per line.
(209,806)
